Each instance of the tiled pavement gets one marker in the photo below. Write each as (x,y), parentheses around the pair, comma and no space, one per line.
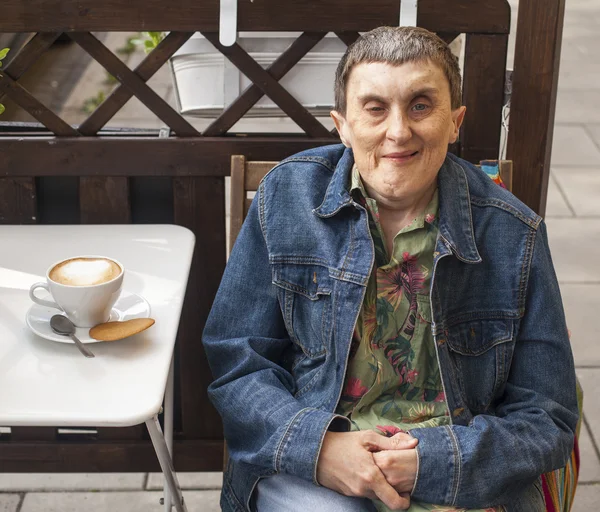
(573,218)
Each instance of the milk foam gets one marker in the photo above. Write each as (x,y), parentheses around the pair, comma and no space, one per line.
(85,272)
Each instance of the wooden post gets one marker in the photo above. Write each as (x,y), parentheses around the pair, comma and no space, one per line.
(535,81)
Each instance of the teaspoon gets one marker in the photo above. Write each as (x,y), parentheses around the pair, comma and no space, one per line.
(62,325)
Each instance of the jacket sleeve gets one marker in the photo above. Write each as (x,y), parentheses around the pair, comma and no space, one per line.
(495,457)
(244,339)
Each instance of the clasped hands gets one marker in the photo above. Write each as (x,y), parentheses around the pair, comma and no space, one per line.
(367,464)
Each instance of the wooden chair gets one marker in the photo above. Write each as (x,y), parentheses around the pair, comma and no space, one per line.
(245,178)
(559,485)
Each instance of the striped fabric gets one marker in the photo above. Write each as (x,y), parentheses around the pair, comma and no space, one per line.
(490,167)
(559,486)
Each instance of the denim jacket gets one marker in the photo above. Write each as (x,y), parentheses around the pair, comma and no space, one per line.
(279,333)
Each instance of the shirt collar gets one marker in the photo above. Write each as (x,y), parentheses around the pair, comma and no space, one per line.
(356,184)
(358,191)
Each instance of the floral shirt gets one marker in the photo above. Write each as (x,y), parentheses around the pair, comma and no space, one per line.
(393,379)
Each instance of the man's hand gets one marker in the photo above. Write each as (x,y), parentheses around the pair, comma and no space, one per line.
(346,464)
(399,468)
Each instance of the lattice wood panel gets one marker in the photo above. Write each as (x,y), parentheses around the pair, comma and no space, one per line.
(134,83)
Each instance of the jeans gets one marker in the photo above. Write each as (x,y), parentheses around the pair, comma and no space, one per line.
(288,493)
(285,493)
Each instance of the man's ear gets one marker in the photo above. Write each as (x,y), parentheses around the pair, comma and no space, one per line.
(458,116)
(341,125)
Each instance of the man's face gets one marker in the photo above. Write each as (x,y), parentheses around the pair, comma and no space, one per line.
(398,122)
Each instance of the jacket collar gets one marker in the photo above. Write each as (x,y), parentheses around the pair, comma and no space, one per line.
(456,219)
(455,223)
(337,195)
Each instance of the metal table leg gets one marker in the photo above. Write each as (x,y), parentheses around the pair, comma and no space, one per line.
(166,464)
(167,500)
(163,445)
(168,424)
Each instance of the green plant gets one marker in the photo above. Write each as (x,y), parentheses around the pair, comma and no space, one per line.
(3,54)
(130,45)
(154,40)
(92,103)
(110,79)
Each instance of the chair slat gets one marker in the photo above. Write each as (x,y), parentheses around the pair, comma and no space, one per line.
(255,171)
(238,195)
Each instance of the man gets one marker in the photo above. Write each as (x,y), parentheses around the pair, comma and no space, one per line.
(389,331)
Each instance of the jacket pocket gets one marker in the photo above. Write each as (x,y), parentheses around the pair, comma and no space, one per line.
(481,351)
(305,295)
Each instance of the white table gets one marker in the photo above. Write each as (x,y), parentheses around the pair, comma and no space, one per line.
(45,383)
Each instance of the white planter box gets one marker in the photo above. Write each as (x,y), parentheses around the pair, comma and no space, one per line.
(206,82)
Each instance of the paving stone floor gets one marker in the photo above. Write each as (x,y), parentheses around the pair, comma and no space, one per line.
(573,218)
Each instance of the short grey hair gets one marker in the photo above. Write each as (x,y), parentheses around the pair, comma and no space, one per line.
(395,46)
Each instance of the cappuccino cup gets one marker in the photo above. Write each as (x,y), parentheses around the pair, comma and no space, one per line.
(84,287)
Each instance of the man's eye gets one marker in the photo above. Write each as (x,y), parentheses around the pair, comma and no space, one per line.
(420,107)
(375,109)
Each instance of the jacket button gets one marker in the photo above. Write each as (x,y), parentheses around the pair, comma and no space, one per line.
(458,412)
(441,341)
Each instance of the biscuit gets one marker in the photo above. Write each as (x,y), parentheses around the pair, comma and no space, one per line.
(112,331)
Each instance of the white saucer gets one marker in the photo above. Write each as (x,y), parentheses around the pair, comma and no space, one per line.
(128,306)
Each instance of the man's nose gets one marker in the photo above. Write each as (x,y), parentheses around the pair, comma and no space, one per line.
(399,129)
